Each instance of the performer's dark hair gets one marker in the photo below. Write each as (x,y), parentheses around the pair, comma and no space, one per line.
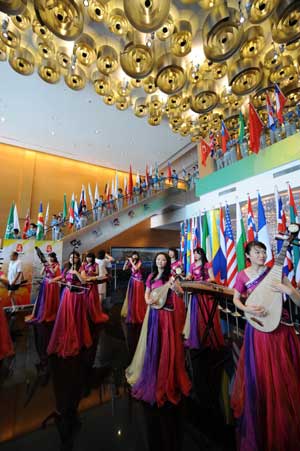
(92,256)
(101,254)
(167,270)
(53,255)
(69,265)
(253,244)
(173,249)
(204,260)
(135,253)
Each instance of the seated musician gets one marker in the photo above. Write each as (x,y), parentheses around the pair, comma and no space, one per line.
(266,393)
(200,306)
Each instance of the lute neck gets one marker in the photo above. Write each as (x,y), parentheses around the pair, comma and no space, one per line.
(279,261)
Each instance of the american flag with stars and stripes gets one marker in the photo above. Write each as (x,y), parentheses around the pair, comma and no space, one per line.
(232,268)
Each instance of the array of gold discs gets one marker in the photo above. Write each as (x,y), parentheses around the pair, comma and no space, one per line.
(192,63)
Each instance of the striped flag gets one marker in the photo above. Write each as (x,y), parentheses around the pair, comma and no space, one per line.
(216,251)
(40,223)
(241,239)
(271,113)
(280,102)
(251,228)
(223,258)
(231,259)
(206,238)
(71,212)
(76,214)
(82,202)
(263,234)
(280,218)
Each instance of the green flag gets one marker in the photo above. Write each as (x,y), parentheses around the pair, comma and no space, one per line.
(205,237)
(241,127)
(240,239)
(9,232)
(65,209)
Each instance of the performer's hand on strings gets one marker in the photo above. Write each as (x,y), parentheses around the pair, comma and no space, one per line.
(281,288)
(255,310)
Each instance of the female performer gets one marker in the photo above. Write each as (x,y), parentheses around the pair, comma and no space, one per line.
(134,307)
(176,266)
(45,309)
(71,330)
(90,273)
(175,263)
(157,372)
(200,307)
(266,394)
(6,345)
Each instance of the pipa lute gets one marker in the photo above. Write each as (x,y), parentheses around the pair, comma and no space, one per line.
(264,295)
(159,295)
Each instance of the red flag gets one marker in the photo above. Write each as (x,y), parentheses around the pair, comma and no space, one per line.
(204,151)
(130,183)
(26,226)
(225,136)
(255,129)
(251,229)
(169,171)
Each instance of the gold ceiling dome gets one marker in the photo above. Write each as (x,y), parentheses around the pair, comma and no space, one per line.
(3,52)
(117,22)
(137,60)
(13,7)
(11,36)
(181,39)
(222,33)
(204,98)
(184,129)
(63,17)
(195,74)
(147,15)
(49,71)
(171,76)
(154,104)
(260,10)
(195,134)
(97,10)
(22,21)
(166,30)
(22,61)
(46,49)
(123,88)
(231,119)
(176,119)
(41,30)
(122,103)
(174,101)
(107,59)
(244,76)
(205,118)
(272,59)
(110,98)
(76,79)
(185,103)
(286,21)
(154,119)
(216,70)
(101,83)
(140,107)
(149,84)
(63,58)
(254,42)
(292,94)
(215,120)
(85,50)
(136,82)
(285,73)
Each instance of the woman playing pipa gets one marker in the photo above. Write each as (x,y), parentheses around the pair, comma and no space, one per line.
(266,393)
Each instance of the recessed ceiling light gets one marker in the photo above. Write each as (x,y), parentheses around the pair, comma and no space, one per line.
(52,132)
(97,132)
(2,119)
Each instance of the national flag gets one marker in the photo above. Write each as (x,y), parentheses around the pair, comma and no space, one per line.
(280,102)
(16,219)
(241,238)
(91,196)
(147,177)
(280,218)
(294,219)
(288,266)
(71,212)
(65,209)
(76,214)
(251,228)
(116,185)
(206,246)
(26,225)
(182,241)
(255,129)
(198,231)
(185,245)
(169,171)
(112,189)
(271,113)
(188,246)
(211,143)
(193,238)
(125,185)
(204,151)
(231,258)
(223,260)
(107,191)
(46,217)
(9,232)
(137,179)
(82,202)
(96,195)
(224,136)
(130,183)
(40,223)
(262,234)
(241,128)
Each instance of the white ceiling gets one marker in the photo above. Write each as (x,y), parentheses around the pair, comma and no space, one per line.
(78,125)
